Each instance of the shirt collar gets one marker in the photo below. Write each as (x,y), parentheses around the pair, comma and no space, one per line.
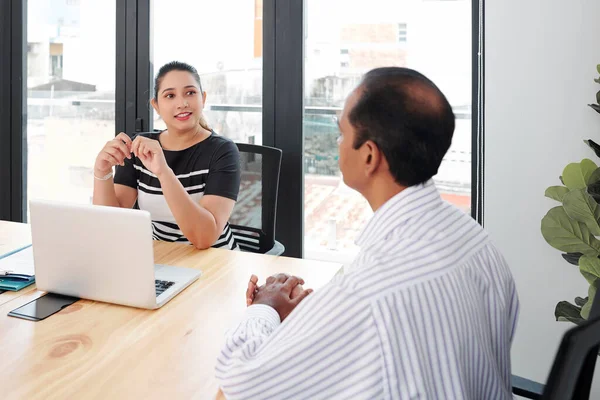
(396,211)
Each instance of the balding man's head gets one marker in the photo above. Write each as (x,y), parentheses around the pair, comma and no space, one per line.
(407,117)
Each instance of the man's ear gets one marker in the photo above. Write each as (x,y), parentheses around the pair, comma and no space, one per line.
(371,156)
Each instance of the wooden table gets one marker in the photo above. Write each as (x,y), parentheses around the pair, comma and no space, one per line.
(94,350)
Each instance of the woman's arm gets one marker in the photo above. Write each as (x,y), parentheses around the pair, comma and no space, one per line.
(107,193)
(116,152)
(202,223)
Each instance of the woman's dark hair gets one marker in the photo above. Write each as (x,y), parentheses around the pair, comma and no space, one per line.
(179,66)
(174,66)
(408,118)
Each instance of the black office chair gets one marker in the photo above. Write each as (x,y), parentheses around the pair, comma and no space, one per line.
(573,370)
(253,218)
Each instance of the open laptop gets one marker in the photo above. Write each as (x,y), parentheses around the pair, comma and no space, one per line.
(101,253)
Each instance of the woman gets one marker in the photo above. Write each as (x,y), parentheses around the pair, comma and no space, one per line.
(186,176)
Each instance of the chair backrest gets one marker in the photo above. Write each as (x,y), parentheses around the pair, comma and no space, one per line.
(253,218)
(573,370)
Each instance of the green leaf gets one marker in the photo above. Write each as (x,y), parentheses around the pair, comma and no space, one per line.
(588,167)
(580,302)
(585,310)
(590,278)
(598,68)
(572,258)
(573,177)
(565,234)
(556,192)
(590,265)
(595,146)
(596,107)
(594,191)
(582,207)
(566,311)
(595,177)
(577,175)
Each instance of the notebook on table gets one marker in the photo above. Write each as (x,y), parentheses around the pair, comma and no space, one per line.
(16,269)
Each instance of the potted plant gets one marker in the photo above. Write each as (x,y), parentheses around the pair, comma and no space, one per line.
(574,226)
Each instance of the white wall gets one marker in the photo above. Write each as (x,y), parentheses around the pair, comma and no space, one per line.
(541,58)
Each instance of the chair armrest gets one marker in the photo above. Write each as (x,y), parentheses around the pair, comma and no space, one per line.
(277,249)
(526,388)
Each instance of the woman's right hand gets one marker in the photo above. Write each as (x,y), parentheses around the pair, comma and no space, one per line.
(114,153)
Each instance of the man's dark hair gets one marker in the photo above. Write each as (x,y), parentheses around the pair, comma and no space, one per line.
(408,118)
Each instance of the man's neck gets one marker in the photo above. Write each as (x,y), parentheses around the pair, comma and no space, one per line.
(382,190)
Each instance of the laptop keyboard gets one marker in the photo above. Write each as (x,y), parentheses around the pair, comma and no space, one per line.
(161,286)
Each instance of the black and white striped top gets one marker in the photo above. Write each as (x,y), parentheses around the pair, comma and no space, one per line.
(427,311)
(210,167)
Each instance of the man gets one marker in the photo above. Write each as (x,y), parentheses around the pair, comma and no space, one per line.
(428,308)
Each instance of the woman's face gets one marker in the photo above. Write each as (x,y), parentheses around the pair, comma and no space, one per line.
(179,101)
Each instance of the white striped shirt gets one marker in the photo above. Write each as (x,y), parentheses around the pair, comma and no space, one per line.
(427,310)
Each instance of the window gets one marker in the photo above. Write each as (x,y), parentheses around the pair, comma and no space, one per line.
(349,45)
(56,66)
(71,90)
(56,60)
(402,33)
(70,95)
(228,57)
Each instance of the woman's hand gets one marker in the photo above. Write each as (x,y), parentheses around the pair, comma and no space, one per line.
(113,153)
(151,155)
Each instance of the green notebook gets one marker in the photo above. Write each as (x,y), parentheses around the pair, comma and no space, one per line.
(14,284)
(16,269)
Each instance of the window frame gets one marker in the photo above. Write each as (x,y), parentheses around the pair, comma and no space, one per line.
(282,108)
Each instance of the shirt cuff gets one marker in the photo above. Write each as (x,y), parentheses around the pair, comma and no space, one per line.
(265,312)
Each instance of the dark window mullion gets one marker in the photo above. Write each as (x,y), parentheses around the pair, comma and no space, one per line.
(13,80)
(120,73)
(144,67)
(131,20)
(268,98)
(133,72)
(283,71)
(477,112)
(18,113)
